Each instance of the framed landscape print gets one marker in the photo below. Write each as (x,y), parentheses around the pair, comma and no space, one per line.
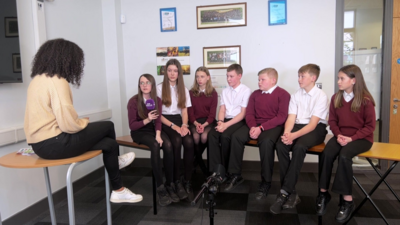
(217,16)
(221,57)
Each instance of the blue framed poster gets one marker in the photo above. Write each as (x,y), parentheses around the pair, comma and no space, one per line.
(277,12)
(168,20)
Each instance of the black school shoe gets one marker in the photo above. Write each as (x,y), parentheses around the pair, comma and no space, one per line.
(345,211)
(281,199)
(322,203)
(292,201)
(180,190)
(234,182)
(163,197)
(262,190)
(172,192)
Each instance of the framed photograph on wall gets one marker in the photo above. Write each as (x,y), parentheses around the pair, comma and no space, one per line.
(277,12)
(11,26)
(217,16)
(221,57)
(16,63)
(168,20)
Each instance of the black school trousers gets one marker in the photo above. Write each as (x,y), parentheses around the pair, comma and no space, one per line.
(96,136)
(290,167)
(342,184)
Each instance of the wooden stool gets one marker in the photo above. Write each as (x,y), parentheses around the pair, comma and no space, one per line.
(14,160)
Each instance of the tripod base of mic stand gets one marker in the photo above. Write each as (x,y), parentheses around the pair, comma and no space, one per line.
(211,204)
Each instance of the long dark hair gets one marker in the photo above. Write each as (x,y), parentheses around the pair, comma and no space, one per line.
(360,90)
(153,94)
(61,58)
(166,90)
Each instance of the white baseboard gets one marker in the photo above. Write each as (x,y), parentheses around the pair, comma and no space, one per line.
(16,134)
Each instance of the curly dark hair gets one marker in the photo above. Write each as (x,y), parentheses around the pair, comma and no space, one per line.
(61,58)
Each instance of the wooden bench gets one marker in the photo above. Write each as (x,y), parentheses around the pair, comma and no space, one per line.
(14,160)
(127,141)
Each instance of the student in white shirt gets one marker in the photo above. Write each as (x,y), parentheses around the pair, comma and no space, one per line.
(175,101)
(304,128)
(231,115)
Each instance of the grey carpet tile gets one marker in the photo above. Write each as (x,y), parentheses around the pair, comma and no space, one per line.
(230,201)
(230,217)
(255,218)
(181,212)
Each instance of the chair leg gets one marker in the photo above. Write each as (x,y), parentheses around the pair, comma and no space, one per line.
(108,204)
(49,196)
(70,195)
(154,194)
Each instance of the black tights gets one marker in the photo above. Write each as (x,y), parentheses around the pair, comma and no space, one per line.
(148,138)
(177,141)
(200,144)
(96,136)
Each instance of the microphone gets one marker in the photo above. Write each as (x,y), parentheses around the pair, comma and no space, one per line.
(217,177)
(150,104)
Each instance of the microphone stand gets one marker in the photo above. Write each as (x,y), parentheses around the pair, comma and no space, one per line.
(211,203)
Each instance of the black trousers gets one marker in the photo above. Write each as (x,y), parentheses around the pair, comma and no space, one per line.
(96,136)
(219,145)
(290,168)
(343,181)
(177,141)
(147,137)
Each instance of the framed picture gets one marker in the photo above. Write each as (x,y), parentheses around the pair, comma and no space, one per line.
(217,16)
(11,26)
(277,12)
(221,57)
(16,62)
(168,20)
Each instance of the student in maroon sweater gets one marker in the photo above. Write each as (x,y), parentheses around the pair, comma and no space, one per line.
(352,121)
(266,113)
(202,113)
(145,128)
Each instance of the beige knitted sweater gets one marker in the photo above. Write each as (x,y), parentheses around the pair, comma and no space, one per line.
(49,109)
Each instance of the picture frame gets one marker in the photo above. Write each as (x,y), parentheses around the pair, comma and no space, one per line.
(16,63)
(168,20)
(277,12)
(219,16)
(221,57)
(11,27)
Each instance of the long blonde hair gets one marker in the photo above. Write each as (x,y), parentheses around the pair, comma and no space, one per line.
(360,90)
(196,87)
(166,91)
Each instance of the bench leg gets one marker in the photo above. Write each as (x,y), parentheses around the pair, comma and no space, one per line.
(70,195)
(49,196)
(108,204)
(380,175)
(154,194)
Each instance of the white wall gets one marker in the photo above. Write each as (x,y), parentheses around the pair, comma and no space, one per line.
(307,38)
(80,22)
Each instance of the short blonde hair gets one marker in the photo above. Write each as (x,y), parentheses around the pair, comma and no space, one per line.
(271,72)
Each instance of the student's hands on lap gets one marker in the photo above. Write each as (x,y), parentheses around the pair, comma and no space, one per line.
(343,140)
(287,138)
(177,129)
(184,131)
(159,140)
(221,127)
(254,132)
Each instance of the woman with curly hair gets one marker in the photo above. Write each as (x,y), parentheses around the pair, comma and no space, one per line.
(52,126)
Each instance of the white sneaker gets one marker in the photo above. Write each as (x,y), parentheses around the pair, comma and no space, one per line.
(126,159)
(125,196)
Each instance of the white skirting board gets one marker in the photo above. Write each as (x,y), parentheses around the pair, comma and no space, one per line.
(16,134)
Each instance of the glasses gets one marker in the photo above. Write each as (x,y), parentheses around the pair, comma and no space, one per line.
(145,83)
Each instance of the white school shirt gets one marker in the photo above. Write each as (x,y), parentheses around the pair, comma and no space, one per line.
(304,105)
(348,97)
(235,99)
(173,108)
(270,90)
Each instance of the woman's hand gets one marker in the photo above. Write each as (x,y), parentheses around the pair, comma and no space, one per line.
(184,131)
(153,115)
(159,140)
(176,128)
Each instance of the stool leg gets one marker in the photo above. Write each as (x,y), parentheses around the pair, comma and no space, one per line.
(49,196)
(154,195)
(70,195)
(107,179)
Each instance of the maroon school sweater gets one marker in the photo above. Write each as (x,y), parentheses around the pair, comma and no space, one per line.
(203,107)
(356,125)
(135,122)
(269,110)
